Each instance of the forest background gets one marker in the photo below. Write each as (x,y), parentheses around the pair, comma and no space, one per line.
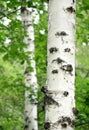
(12,59)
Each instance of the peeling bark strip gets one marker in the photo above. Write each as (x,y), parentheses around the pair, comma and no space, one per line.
(61,65)
(30,77)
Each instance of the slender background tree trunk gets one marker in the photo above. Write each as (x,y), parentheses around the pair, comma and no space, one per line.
(30,77)
(59,97)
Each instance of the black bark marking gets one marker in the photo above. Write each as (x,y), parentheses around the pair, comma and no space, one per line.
(66,41)
(65,121)
(64,125)
(61,34)
(67,49)
(26,72)
(67,68)
(47,125)
(25,127)
(46,62)
(70,9)
(74,97)
(58,60)
(53,49)
(27,44)
(69,120)
(24,22)
(72,123)
(73,1)
(29,39)
(27,118)
(48,100)
(35,119)
(29,122)
(29,25)
(43,108)
(44,90)
(54,71)
(75,111)
(28,80)
(66,93)
(26,111)
(23,9)
(56,123)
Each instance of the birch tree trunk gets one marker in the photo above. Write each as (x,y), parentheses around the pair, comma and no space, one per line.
(59,98)
(30,77)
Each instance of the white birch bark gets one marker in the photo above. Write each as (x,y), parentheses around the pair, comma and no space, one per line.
(30,77)
(59,98)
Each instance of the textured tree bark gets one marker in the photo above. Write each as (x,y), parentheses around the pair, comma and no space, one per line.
(30,77)
(59,98)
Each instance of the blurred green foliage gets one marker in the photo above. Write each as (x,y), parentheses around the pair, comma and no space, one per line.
(82,64)
(11,92)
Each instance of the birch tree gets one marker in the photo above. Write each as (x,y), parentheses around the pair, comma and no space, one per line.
(30,77)
(59,93)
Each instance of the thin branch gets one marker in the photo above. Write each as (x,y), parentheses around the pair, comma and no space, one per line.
(10,13)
